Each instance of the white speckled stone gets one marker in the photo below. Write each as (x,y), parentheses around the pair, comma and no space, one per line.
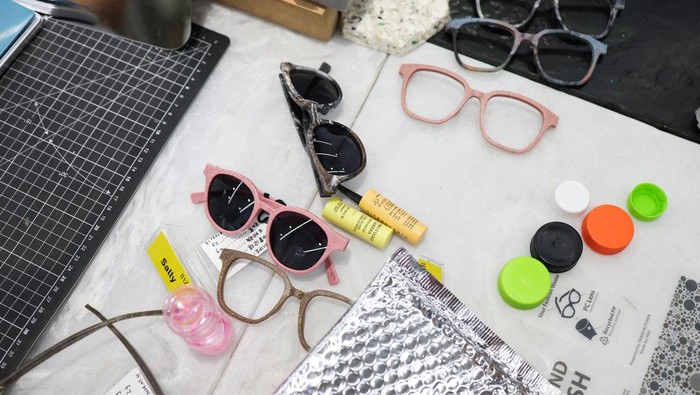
(394,27)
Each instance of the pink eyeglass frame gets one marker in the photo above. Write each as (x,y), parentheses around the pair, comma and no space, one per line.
(336,242)
(549,119)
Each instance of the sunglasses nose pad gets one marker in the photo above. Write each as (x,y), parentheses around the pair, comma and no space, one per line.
(263,217)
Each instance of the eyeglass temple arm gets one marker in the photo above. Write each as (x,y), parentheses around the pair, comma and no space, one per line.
(290,104)
(198,197)
(330,272)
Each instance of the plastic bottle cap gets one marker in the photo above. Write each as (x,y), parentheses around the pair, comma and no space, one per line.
(607,229)
(557,245)
(647,202)
(524,282)
(572,197)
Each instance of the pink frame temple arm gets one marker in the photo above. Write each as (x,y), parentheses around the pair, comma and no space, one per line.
(330,272)
(198,197)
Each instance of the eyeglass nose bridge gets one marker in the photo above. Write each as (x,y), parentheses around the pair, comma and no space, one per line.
(297,293)
(314,109)
(531,39)
(473,93)
(527,37)
(521,38)
(269,205)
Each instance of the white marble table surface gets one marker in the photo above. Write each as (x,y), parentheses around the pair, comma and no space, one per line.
(482,206)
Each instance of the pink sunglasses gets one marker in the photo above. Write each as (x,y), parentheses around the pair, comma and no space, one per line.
(528,138)
(298,241)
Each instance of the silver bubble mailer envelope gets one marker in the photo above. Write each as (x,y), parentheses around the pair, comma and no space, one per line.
(408,334)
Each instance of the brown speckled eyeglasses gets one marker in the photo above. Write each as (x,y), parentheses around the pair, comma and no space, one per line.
(229,258)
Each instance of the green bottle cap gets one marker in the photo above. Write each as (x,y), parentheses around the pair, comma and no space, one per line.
(647,202)
(524,282)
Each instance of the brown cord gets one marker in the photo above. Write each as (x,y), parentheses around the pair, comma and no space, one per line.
(70,340)
(150,377)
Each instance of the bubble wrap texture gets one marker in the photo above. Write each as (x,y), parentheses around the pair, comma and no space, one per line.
(408,334)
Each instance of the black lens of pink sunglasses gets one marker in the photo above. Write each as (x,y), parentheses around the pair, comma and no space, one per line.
(230,202)
(297,241)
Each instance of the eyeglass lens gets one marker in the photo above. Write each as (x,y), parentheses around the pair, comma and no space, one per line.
(312,86)
(507,121)
(583,16)
(511,123)
(486,41)
(230,202)
(296,240)
(562,56)
(254,291)
(320,315)
(432,95)
(337,151)
(514,12)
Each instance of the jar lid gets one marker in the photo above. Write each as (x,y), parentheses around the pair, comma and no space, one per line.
(524,283)
(557,245)
(647,202)
(572,197)
(607,229)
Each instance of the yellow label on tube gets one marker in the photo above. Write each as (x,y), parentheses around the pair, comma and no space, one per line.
(167,263)
(357,223)
(388,213)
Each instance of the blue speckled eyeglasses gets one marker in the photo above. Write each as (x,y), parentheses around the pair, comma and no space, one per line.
(561,57)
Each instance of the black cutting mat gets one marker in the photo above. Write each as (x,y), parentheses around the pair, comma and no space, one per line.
(651,71)
(83,115)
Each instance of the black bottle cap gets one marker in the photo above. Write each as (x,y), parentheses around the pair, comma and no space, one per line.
(557,245)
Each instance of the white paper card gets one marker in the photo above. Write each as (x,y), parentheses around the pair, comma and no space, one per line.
(252,241)
(134,383)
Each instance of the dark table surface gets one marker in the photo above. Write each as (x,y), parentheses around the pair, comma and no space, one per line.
(651,71)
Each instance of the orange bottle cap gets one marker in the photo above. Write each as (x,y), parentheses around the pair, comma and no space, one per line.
(607,229)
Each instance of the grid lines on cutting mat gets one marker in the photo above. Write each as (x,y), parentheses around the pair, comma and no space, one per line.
(79,109)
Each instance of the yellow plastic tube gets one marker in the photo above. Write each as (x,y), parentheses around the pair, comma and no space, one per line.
(357,223)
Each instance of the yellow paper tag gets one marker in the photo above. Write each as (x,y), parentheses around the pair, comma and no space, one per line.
(434,268)
(167,263)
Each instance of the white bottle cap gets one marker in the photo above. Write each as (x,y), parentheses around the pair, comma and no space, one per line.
(572,197)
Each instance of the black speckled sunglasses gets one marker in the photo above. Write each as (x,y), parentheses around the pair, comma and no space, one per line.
(336,153)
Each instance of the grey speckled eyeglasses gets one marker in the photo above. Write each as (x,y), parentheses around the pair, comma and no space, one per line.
(591,17)
(561,57)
